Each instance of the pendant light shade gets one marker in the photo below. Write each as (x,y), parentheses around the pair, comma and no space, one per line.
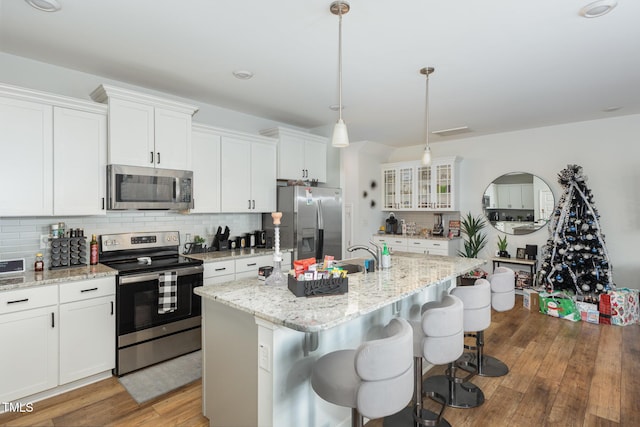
(340,136)
(426,156)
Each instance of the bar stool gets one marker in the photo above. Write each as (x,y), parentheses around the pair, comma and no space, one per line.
(438,337)
(458,391)
(502,283)
(374,380)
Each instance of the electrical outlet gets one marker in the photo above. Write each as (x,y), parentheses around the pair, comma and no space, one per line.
(44,241)
(264,357)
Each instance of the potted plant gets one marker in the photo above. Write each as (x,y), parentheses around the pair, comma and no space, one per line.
(502,247)
(475,239)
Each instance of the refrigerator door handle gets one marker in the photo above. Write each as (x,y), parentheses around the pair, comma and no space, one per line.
(320,242)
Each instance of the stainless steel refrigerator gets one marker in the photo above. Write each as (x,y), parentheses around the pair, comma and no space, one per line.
(311,221)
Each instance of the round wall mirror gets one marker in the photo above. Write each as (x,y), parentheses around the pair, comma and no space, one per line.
(518,203)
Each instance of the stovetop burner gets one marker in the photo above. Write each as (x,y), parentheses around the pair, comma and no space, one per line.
(129,253)
(133,266)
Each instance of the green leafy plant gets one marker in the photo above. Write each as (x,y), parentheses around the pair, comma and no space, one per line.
(475,239)
(502,243)
(198,240)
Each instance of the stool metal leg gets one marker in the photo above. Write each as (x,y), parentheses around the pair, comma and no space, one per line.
(478,362)
(456,391)
(415,415)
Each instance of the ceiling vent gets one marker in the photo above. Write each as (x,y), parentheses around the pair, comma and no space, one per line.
(452,131)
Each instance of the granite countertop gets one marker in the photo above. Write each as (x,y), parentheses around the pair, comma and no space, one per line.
(234,254)
(409,274)
(418,236)
(32,278)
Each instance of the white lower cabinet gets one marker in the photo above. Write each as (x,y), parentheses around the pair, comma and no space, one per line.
(29,351)
(55,334)
(87,328)
(418,246)
(240,268)
(219,272)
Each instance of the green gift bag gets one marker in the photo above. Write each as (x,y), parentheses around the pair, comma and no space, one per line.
(557,304)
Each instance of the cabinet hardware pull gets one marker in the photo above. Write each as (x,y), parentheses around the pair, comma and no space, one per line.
(103,203)
(249,200)
(221,269)
(151,152)
(53,321)
(252,264)
(112,308)
(88,290)
(253,204)
(158,156)
(17,301)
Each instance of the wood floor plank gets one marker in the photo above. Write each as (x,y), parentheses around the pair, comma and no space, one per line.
(630,381)
(99,413)
(604,393)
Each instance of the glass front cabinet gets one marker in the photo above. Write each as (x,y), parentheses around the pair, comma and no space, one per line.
(413,186)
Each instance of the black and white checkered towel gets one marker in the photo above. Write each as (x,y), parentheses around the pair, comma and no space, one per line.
(167,292)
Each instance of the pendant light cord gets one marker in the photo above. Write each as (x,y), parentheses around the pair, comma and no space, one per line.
(426,112)
(340,61)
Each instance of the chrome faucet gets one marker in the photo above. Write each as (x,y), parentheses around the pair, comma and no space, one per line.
(375,254)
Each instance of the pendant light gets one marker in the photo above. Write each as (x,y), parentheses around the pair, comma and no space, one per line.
(426,156)
(340,136)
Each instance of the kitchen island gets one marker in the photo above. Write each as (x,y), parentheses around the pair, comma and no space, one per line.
(260,342)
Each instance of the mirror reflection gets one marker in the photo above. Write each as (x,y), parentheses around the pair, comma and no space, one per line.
(518,203)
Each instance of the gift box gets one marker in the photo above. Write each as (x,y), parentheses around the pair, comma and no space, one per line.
(604,308)
(530,299)
(588,312)
(624,306)
(559,305)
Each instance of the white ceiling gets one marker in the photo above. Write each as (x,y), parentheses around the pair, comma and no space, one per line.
(500,65)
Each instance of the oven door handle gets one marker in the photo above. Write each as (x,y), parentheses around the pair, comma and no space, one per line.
(136,278)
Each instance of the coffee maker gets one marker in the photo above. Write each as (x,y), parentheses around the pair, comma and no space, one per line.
(438,228)
(391,224)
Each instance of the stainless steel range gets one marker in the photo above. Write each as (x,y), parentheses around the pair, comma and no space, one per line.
(157,312)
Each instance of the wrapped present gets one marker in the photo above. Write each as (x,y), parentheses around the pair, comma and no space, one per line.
(604,308)
(558,304)
(624,306)
(588,312)
(530,299)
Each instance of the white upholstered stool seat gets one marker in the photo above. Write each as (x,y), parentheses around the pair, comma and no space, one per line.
(375,380)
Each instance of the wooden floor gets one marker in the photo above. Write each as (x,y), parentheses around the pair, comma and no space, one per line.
(562,374)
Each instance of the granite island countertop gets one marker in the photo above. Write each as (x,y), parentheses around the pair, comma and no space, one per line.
(32,278)
(409,274)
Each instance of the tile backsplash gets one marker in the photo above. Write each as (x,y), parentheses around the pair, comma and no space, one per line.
(20,236)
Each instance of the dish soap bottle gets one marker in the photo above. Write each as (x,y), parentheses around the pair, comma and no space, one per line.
(386,257)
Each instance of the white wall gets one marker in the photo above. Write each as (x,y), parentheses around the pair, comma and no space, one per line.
(607,149)
(361,167)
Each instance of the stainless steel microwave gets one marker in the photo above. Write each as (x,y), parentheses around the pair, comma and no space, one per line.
(135,187)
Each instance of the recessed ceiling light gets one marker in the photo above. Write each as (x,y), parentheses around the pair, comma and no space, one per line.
(243,74)
(335,107)
(45,5)
(611,109)
(598,8)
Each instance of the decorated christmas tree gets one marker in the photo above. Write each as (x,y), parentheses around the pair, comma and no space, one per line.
(575,256)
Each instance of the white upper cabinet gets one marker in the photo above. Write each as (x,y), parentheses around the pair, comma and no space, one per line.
(515,196)
(26,163)
(145,130)
(415,187)
(79,162)
(248,173)
(205,155)
(301,155)
(54,150)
